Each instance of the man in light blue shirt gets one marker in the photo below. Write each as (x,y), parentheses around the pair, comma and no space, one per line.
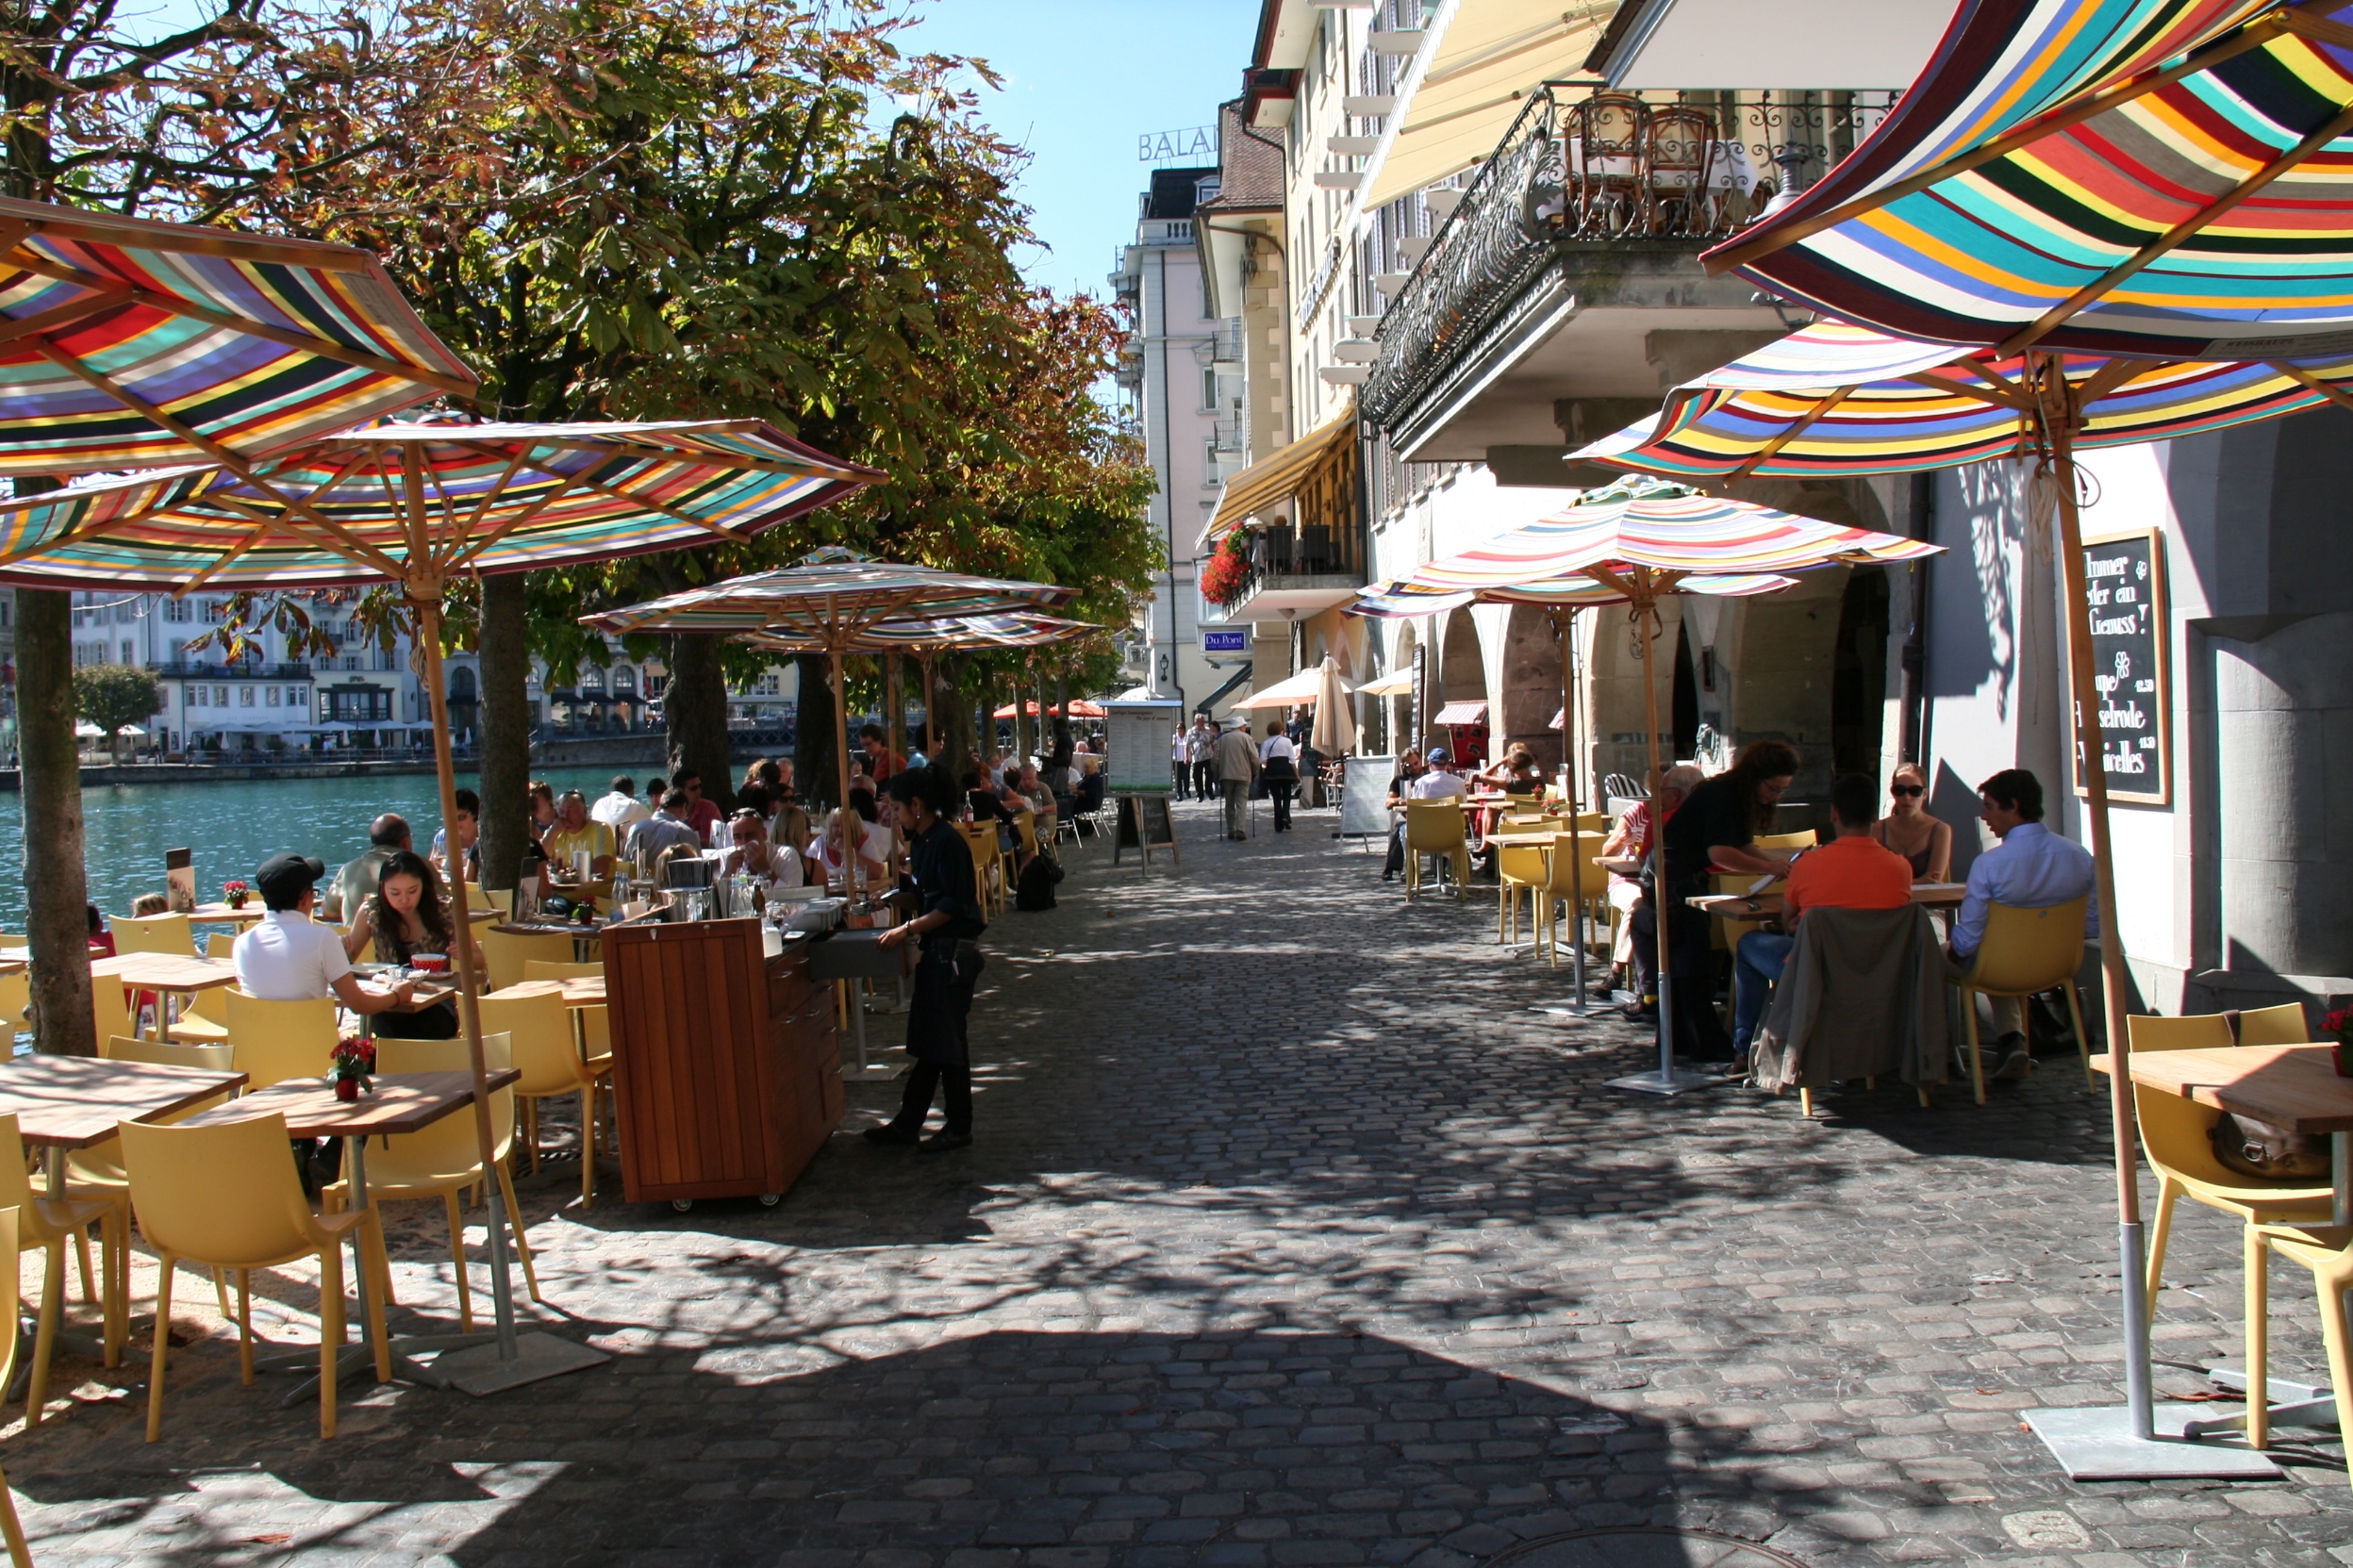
(2032,868)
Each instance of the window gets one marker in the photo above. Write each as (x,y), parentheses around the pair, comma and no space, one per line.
(245,699)
(385,662)
(221,699)
(359,704)
(771,684)
(1208,397)
(297,696)
(175,610)
(196,696)
(128,658)
(276,697)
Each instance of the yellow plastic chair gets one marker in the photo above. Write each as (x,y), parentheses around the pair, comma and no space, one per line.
(446,1158)
(2328,1251)
(11,1529)
(96,1175)
(1518,867)
(1806,839)
(153,933)
(2024,953)
(2176,1135)
(16,1000)
(591,1063)
(221,944)
(1729,929)
(279,1040)
(1436,828)
(500,899)
(110,1005)
(227,1196)
(981,839)
(2283,1025)
(48,1223)
(1565,881)
(539,1033)
(596,1033)
(507,951)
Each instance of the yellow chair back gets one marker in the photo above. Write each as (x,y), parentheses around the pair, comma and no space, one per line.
(2199,1031)
(1434,827)
(172,1053)
(507,951)
(1805,840)
(2176,1130)
(16,1000)
(500,899)
(9,1247)
(153,933)
(1025,825)
(223,1193)
(2283,1025)
(539,1029)
(16,1182)
(110,1005)
(2026,950)
(221,944)
(279,1040)
(596,1028)
(1520,862)
(450,1146)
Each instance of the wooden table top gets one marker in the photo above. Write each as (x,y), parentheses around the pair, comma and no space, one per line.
(166,971)
(74,1101)
(398,1102)
(1934,895)
(549,928)
(217,914)
(11,965)
(2295,1088)
(576,990)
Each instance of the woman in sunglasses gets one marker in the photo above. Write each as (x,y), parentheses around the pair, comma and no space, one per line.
(1911,832)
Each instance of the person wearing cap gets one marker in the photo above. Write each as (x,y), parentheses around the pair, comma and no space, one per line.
(1236,762)
(289,957)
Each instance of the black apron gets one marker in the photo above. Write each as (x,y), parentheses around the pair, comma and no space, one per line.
(950,960)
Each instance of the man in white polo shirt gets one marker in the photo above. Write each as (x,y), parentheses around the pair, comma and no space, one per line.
(288,957)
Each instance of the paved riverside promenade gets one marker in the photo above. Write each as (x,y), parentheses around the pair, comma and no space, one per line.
(1291,1236)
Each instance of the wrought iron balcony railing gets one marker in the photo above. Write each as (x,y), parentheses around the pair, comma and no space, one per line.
(1586,169)
(246,670)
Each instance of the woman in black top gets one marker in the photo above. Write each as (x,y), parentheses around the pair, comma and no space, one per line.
(405,916)
(947,923)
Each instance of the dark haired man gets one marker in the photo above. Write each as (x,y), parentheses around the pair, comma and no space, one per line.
(948,924)
(2032,868)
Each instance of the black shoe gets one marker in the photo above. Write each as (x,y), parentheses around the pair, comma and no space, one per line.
(1642,1010)
(891,1133)
(941,1143)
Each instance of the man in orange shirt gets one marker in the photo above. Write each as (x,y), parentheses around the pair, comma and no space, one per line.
(1852,871)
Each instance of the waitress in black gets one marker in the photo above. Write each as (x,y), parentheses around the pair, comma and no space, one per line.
(948,922)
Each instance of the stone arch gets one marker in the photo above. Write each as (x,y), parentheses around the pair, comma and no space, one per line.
(1397,713)
(1530,686)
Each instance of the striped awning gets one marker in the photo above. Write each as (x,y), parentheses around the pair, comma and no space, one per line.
(1271,480)
(1461,713)
(830,600)
(421,502)
(1837,398)
(126,344)
(2158,178)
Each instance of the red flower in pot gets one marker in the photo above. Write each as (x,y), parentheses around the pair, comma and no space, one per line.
(354,1061)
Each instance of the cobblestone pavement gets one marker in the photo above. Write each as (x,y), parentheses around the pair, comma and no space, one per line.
(1292,1236)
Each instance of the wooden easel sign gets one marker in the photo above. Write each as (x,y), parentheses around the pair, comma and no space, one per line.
(1147,822)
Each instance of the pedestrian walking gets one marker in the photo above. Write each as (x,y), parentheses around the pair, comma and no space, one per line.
(1179,763)
(1201,747)
(1278,763)
(1236,762)
(947,925)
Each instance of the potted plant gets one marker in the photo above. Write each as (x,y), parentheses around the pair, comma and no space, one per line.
(1223,574)
(235,894)
(2338,1026)
(354,1061)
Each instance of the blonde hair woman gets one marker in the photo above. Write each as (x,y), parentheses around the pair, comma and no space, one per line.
(1911,832)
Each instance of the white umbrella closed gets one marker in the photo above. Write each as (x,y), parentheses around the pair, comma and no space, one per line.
(1335,733)
(1300,690)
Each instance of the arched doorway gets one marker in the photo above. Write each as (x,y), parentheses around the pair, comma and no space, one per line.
(1397,713)
(1859,676)
(1532,685)
(1461,719)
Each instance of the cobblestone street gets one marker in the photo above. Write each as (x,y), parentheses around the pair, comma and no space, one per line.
(1291,1235)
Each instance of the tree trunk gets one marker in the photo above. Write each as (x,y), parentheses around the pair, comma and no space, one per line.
(57,892)
(819,733)
(1062,747)
(951,721)
(504,716)
(694,708)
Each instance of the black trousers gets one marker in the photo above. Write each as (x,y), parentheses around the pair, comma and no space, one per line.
(1700,1035)
(1205,780)
(927,1079)
(1279,789)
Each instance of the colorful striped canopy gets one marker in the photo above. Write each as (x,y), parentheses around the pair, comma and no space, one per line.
(421,502)
(2160,178)
(1634,540)
(132,344)
(1836,399)
(937,636)
(832,599)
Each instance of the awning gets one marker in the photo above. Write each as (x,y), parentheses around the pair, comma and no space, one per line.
(1558,714)
(1397,685)
(1271,480)
(1232,681)
(1462,713)
(1480,61)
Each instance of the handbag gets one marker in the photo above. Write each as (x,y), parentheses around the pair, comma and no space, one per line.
(2268,1153)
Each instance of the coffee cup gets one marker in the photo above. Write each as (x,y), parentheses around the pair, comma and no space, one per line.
(429,963)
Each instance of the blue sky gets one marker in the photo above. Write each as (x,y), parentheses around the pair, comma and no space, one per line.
(1083,80)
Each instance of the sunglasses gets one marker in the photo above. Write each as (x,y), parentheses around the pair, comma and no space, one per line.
(1906,789)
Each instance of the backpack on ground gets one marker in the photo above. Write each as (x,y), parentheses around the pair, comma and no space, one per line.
(1036,888)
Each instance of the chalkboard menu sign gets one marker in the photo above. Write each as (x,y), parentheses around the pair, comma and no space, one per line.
(2125,583)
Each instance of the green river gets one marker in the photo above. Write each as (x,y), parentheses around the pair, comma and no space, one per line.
(232,827)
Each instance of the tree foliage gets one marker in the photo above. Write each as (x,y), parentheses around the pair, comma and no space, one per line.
(116,696)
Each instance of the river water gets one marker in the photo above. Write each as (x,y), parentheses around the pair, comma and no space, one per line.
(232,826)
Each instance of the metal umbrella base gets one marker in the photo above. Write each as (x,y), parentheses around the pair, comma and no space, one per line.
(2099,1443)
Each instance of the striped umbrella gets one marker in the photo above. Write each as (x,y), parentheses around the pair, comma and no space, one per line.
(1834,399)
(829,602)
(125,343)
(419,503)
(1633,543)
(2146,179)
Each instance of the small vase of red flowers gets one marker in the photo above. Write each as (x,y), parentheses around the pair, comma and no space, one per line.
(2338,1026)
(355,1065)
(234,894)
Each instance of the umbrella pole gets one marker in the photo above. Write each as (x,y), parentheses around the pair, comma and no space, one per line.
(1666,1081)
(1565,622)
(513,1360)
(2112,1443)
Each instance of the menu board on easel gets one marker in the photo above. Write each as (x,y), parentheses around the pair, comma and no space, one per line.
(2125,588)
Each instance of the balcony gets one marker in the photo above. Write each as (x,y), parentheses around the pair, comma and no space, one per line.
(1567,273)
(1295,571)
(244,670)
